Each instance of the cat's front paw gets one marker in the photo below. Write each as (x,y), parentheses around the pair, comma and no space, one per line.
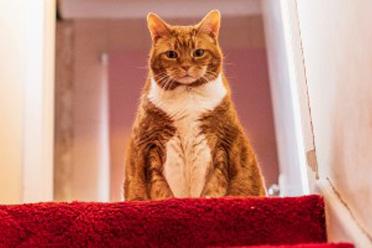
(209,195)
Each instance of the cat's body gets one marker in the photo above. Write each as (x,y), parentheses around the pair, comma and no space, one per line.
(187,140)
(188,151)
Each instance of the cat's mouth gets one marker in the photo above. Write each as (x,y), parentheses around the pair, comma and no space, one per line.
(186,79)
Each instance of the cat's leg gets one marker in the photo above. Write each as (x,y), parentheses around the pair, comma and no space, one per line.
(247,183)
(158,187)
(217,178)
(143,177)
(246,178)
(134,180)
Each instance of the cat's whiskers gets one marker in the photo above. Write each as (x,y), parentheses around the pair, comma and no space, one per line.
(165,86)
(163,80)
(205,79)
(166,83)
(171,81)
(211,73)
(160,76)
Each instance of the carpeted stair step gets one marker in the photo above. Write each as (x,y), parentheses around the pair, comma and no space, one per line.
(319,245)
(168,223)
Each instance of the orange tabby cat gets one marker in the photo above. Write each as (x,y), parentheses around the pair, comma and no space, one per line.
(187,140)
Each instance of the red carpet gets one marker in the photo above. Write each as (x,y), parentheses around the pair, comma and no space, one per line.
(340,245)
(169,223)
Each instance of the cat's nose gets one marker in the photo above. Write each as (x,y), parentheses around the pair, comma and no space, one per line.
(185,67)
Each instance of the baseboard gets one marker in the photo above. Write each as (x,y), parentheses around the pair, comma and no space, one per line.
(341,225)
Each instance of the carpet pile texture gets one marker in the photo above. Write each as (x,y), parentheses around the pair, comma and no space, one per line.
(331,245)
(167,223)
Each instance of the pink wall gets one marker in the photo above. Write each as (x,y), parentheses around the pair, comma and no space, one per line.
(126,78)
(247,70)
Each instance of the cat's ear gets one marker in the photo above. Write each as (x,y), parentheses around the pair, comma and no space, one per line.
(157,26)
(210,23)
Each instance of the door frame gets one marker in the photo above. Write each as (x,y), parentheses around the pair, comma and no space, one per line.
(289,96)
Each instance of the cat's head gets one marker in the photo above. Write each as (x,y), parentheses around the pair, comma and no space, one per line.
(185,55)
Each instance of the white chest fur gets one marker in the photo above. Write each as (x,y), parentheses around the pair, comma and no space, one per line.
(188,155)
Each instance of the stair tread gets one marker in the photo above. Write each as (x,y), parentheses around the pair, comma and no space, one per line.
(313,245)
(169,223)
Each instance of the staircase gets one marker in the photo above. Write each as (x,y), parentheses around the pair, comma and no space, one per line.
(225,222)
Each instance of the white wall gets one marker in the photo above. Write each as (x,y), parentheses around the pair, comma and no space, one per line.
(11,97)
(336,36)
(26,100)
(320,59)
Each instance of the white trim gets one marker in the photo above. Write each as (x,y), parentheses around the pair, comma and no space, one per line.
(103,181)
(297,81)
(286,101)
(344,227)
(38,123)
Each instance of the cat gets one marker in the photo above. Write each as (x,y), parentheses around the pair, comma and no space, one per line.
(187,140)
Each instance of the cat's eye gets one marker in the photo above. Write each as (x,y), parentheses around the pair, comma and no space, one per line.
(171,54)
(198,53)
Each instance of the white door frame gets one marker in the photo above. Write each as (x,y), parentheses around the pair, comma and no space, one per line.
(27,100)
(39,101)
(289,97)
